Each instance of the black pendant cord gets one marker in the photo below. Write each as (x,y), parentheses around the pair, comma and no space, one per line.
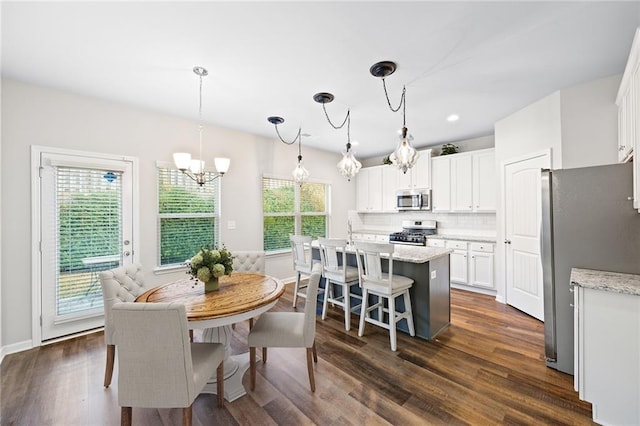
(347,121)
(403,102)
(296,139)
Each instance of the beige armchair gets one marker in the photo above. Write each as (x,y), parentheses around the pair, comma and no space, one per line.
(287,330)
(157,365)
(121,284)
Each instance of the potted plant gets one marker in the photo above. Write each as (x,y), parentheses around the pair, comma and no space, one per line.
(449,148)
(209,264)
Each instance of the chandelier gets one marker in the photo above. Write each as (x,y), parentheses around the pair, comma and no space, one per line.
(348,166)
(404,156)
(194,168)
(300,174)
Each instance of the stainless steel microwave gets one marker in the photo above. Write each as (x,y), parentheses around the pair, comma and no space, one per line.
(418,199)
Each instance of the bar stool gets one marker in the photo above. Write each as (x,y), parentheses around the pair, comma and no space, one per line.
(336,272)
(302,263)
(383,285)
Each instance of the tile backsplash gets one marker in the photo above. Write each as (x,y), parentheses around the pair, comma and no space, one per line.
(479,224)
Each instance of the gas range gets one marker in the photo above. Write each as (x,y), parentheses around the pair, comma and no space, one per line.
(414,232)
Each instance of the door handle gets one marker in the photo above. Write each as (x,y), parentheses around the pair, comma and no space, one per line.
(507,241)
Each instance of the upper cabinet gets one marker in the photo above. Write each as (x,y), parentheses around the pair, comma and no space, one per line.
(484,181)
(377,186)
(628,101)
(368,186)
(464,182)
(419,176)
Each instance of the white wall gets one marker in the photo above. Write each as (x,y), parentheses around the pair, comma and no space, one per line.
(38,116)
(590,123)
(578,125)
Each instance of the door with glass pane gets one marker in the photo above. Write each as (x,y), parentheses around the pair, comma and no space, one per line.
(86,227)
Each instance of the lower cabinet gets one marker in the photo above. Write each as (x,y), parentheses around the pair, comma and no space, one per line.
(471,263)
(607,354)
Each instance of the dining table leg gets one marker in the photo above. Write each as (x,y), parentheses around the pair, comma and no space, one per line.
(234,365)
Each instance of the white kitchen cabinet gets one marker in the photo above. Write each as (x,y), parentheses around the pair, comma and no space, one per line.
(464,182)
(628,101)
(607,350)
(458,262)
(481,265)
(419,176)
(484,181)
(441,184)
(390,176)
(471,263)
(369,187)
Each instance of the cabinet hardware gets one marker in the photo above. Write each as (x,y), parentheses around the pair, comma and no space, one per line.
(507,241)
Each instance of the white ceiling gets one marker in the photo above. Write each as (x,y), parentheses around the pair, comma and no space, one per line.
(480,60)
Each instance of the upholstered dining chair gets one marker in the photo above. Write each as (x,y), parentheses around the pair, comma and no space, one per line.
(336,273)
(288,330)
(122,284)
(158,367)
(383,286)
(248,261)
(302,263)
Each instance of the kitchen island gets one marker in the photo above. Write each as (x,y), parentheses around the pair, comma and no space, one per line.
(430,293)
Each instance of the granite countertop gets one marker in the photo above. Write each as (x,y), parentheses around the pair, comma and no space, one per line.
(407,253)
(472,238)
(606,281)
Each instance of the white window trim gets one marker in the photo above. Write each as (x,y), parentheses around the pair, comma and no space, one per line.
(168,269)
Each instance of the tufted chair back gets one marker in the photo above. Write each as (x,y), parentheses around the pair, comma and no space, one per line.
(121,284)
(248,261)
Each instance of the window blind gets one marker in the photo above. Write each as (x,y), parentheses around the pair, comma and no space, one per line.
(289,208)
(88,216)
(187,215)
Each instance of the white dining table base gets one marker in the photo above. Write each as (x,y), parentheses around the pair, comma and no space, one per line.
(234,365)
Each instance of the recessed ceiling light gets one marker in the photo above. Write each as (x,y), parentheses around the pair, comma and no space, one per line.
(453,117)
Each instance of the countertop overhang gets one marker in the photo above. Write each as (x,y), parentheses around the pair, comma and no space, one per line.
(408,253)
(606,281)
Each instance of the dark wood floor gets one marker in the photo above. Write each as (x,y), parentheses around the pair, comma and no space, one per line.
(486,368)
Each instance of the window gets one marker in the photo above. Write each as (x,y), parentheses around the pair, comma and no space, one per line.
(188,215)
(289,208)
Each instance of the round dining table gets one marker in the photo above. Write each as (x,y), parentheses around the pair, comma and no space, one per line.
(241,296)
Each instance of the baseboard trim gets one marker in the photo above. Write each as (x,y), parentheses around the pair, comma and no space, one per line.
(15,347)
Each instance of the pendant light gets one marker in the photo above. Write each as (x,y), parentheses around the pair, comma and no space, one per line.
(194,168)
(404,156)
(348,166)
(300,174)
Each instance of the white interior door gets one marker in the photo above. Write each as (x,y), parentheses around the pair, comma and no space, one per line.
(86,213)
(524,285)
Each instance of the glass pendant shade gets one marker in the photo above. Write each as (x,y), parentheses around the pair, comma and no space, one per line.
(300,174)
(405,156)
(349,166)
(222,164)
(182,160)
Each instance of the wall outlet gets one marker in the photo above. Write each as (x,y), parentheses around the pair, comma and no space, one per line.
(433,275)
(231,224)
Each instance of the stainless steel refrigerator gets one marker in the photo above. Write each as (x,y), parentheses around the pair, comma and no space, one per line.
(588,221)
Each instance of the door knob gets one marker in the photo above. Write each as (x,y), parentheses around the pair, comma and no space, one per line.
(507,241)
